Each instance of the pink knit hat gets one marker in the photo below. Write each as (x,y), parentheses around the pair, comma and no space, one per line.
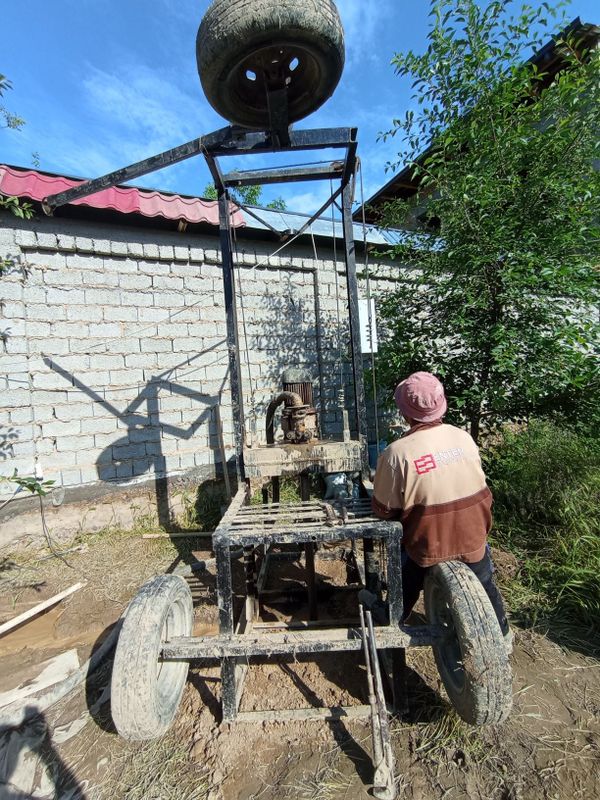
(421,397)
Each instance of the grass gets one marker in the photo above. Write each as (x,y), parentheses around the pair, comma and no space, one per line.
(546,485)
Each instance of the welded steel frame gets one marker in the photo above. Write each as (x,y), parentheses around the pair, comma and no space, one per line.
(342,170)
(237,642)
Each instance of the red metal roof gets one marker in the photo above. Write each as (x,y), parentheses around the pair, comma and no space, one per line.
(36,185)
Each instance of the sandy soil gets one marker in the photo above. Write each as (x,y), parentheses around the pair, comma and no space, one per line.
(549,747)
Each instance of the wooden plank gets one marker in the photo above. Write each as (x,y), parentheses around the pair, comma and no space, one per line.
(304,714)
(178,535)
(38,609)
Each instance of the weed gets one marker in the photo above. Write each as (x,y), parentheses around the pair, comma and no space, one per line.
(546,485)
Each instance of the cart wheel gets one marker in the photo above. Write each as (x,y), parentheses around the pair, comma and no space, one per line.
(246,47)
(145,691)
(472,658)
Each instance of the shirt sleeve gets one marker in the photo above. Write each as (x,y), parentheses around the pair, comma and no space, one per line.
(388,489)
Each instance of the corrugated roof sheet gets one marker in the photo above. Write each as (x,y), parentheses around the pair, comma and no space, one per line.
(127,200)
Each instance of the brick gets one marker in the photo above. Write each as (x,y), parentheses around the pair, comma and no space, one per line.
(197,254)
(96,425)
(135,281)
(126,377)
(146,361)
(136,298)
(15,398)
(70,477)
(49,380)
(170,282)
(72,444)
(156,345)
(25,238)
(64,277)
(74,329)
(102,297)
(82,313)
(11,290)
(43,398)
(66,243)
(212,257)
(23,449)
(109,361)
(72,412)
(168,330)
(59,428)
(47,240)
(139,435)
(83,262)
(105,330)
(153,314)
(125,345)
(168,300)
(120,314)
(95,279)
(165,252)
(102,246)
(135,249)
(188,344)
(84,244)
(129,451)
(19,416)
(107,473)
(65,297)
(151,250)
(181,253)
(118,248)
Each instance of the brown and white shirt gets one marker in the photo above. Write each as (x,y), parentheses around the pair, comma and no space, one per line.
(431,479)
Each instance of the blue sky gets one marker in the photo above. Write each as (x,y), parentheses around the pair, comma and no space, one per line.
(103,83)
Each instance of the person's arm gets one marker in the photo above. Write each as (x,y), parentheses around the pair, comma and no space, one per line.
(387,499)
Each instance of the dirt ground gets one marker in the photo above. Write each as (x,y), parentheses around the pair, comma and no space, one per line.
(548,748)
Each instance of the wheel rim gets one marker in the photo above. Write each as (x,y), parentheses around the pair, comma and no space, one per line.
(450,656)
(280,66)
(171,674)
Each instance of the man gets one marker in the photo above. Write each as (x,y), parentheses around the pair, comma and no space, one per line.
(431,479)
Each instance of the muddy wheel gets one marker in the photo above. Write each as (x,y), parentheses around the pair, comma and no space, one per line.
(145,691)
(472,658)
(246,48)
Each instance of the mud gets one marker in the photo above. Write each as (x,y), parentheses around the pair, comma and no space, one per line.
(548,748)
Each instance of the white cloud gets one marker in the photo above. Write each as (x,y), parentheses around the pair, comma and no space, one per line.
(361,20)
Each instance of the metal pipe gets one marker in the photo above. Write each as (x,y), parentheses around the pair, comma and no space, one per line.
(292,398)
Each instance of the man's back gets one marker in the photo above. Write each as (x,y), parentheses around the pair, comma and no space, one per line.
(432,480)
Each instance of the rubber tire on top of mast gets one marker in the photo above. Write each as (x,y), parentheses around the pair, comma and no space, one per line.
(237,38)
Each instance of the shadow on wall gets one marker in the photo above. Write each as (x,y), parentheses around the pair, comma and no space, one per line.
(290,328)
(140,450)
(30,766)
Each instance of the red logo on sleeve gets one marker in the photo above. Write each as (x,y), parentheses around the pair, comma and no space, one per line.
(425,464)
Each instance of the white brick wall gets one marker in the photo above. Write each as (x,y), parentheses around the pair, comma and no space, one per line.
(114,347)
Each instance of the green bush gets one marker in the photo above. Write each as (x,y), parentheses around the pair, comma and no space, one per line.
(546,484)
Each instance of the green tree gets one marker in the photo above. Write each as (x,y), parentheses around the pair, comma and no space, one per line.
(9,120)
(501,300)
(246,195)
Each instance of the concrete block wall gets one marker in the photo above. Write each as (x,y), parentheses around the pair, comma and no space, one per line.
(113,346)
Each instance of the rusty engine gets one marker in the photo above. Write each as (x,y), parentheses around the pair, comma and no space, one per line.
(299,418)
